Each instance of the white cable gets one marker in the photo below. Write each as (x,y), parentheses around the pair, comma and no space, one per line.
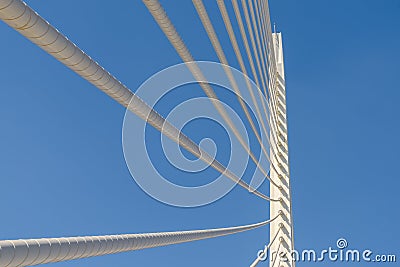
(202,12)
(228,25)
(276,255)
(259,46)
(258,56)
(171,33)
(252,67)
(263,42)
(22,18)
(267,45)
(257,260)
(266,21)
(24,252)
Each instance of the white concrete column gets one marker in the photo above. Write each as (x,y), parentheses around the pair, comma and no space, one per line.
(284,224)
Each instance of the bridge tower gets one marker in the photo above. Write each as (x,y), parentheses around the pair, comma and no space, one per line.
(282,228)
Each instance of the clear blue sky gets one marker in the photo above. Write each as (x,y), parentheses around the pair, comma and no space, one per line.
(62,167)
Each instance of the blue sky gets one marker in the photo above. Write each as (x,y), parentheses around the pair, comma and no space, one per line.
(63,172)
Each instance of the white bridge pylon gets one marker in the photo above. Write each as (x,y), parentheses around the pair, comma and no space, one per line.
(18,15)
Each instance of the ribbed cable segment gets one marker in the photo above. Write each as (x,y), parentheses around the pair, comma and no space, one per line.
(266,38)
(277,253)
(264,47)
(267,25)
(251,62)
(258,56)
(235,45)
(171,33)
(262,13)
(252,39)
(259,45)
(26,252)
(22,18)
(257,260)
(269,56)
(272,82)
(202,12)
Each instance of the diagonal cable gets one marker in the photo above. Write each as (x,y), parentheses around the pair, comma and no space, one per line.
(202,12)
(266,49)
(18,15)
(170,32)
(258,57)
(254,47)
(269,53)
(24,252)
(257,260)
(259,47)
(228,25)
(252,66)
(257,29)
(266,42)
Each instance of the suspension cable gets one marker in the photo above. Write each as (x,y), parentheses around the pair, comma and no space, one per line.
(253,44)
(256,55)
(266,21)
(259,46)
(266,34)
(259,56)
(266,44)
(228,25)
(25,252)
(276,254)
(265,251)
(202,12)
(253,70)
(173,36)
(22,18)
(260,83)
(232,37)
(272,123)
